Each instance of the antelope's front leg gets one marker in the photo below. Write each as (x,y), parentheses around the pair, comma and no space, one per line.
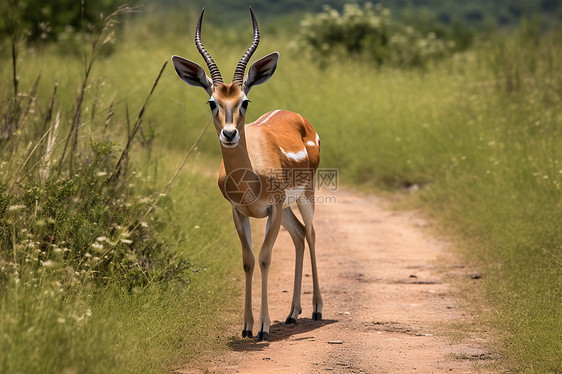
(242,224)
(271,232)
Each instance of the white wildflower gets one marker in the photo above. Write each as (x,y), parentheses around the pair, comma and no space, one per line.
(13,208)
(126,241)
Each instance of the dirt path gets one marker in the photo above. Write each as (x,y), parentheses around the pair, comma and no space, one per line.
(387,305)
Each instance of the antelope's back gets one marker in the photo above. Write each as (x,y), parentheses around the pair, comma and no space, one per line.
(284,139)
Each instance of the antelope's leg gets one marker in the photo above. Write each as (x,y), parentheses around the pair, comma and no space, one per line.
(297,232)
(271,232)
(242,224)
(306,207)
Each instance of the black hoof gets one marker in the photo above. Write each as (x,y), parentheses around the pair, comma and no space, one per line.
(316,316)
(263,336)
(247,334)
(290,321)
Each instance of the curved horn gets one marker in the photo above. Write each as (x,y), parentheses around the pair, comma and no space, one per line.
(213,69)
(241,68)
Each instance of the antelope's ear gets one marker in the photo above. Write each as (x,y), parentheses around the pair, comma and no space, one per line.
(261,71)
(192,74)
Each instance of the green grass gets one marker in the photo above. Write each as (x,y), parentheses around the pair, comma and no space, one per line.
(90,279)
(47,327)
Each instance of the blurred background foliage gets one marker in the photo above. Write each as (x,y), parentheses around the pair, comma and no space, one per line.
(383,31)
(39,19)
(47,20)
(475,13)
(370,32)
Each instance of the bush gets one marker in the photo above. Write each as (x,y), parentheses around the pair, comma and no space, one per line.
(369,32)
(83,228)
(68,203)
(45,20)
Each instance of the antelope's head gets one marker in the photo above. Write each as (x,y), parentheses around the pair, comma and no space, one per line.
(228,102)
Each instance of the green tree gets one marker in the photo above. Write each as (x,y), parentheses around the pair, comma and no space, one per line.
(40,19)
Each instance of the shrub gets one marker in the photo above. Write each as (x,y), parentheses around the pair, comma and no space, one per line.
(45,20)
(369,32)
(69,205)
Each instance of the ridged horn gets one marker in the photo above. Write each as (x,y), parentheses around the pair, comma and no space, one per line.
(241,67)
(213,68)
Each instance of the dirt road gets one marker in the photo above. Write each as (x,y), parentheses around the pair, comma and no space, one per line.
(388,306)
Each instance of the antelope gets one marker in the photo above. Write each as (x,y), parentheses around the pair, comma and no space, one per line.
(265,164)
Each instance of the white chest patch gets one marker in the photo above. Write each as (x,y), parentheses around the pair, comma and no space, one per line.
(295,156)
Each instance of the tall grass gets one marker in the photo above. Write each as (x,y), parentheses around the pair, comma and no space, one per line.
(92,277)
(48,328)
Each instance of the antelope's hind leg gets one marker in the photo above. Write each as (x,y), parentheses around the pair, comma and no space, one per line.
(242,224)
(297,232)
(306,208)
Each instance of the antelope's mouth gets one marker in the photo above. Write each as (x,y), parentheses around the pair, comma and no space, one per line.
(229,143)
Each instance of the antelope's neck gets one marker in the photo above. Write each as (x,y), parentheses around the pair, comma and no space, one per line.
(237,157)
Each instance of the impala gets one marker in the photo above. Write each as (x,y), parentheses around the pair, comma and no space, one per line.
(265,164)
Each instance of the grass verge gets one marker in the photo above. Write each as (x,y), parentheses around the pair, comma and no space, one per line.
(92,279)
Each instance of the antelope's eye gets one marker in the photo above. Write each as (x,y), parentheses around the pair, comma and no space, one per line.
(212,104)
(244,106)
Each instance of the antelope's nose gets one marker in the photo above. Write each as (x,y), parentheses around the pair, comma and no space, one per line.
(229,135)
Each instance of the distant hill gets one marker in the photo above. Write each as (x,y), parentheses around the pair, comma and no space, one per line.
(503,13)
